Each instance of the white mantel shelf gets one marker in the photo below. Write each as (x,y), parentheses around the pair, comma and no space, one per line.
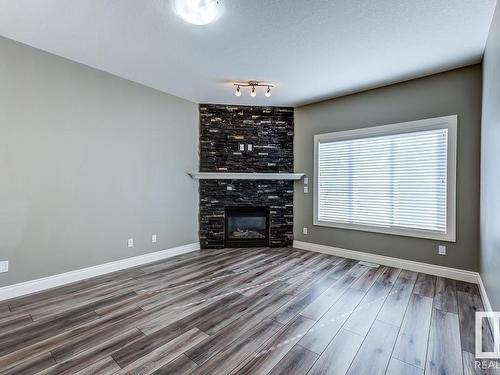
(244,176)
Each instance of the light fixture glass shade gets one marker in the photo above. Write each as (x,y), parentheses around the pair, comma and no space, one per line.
(253,92)
(238,91)
(198,12)
(268,92)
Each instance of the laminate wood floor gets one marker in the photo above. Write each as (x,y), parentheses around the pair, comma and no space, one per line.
(245,311)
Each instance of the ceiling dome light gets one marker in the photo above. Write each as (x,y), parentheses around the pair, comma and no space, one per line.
(198,12)
(253,92)
(238,91)
(268,92)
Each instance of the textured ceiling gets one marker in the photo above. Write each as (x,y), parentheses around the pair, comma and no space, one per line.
(311,49)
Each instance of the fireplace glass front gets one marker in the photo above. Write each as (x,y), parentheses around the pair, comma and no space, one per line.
(246,227)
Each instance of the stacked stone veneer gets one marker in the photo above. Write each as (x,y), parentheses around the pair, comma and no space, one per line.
(269,130)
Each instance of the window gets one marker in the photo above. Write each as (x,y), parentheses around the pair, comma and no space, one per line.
(397,179)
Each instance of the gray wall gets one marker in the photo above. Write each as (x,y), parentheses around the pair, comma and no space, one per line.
(454,92)
(86,161)
(490,166)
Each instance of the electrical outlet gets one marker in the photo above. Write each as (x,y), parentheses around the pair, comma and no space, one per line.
(242,147)
(4,266)
(306,180)
(304,230)
(249,147)
(306,189)
(442,250)
(130,242)
(153,238)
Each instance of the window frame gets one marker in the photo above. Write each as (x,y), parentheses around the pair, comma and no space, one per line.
(445,122)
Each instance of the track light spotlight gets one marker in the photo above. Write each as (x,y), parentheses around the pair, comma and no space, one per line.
(253,92)
(268,92)
(238,91)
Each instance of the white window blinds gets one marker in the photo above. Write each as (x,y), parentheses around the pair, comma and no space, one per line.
(396,181)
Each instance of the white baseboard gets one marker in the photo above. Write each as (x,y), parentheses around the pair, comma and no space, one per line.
(484,295)
(32,286)
(486,301)
(431,269)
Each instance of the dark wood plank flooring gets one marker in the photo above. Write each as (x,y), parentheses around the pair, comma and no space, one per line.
(245,311)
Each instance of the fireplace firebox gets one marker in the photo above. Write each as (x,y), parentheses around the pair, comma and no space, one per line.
(246,227)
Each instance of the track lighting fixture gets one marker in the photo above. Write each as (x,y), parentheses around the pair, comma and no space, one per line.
(254,85)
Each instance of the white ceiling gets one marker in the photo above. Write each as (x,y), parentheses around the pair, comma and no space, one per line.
(311,49)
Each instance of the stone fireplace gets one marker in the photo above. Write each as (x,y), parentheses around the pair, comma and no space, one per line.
(245,139)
